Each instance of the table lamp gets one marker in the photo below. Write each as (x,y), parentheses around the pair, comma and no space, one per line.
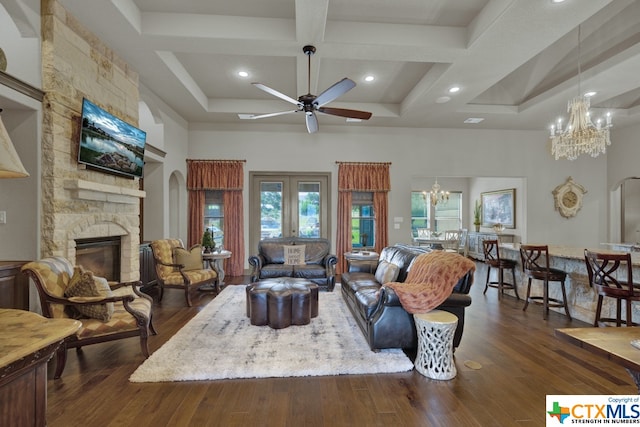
(10,164)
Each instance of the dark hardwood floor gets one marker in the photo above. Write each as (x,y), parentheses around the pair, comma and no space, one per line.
(522,361)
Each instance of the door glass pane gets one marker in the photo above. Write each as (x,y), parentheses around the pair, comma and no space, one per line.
(309,209)
(270,209)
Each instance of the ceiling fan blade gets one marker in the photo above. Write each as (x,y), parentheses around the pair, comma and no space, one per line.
(276,93)
(343,112)
(262,116)
(312,122)
(340,88)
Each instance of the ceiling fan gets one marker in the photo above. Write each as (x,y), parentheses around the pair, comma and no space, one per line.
(309,103)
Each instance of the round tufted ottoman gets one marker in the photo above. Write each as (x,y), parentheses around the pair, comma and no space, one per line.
(281,302)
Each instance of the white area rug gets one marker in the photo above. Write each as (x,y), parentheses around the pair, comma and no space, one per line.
(219,343)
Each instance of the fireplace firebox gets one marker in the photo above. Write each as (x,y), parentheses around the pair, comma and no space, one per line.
(100,255)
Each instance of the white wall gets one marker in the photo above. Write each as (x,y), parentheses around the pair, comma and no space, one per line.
(22,116)
(623,161)
(165,207)
(425,152)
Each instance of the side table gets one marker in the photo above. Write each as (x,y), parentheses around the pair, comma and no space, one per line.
(435,344)
(27,342)
(215,261)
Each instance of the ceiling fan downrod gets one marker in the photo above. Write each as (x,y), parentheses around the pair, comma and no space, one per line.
(309,50)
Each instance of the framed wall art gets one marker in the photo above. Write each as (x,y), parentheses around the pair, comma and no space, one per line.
(498,207)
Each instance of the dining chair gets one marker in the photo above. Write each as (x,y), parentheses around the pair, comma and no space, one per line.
(451,241)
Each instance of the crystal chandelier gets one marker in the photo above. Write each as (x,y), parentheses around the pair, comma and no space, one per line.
(580,136)
(436,195)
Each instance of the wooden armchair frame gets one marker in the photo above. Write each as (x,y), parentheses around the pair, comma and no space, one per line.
(172,275)
(132,314)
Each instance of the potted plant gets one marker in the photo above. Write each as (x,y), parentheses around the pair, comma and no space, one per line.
(207,241)
(477,215)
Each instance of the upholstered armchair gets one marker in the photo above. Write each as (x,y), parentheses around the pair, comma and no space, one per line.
(108,310)
(179,268)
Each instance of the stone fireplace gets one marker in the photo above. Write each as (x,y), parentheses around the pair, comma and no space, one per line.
(79,203)
(116,217)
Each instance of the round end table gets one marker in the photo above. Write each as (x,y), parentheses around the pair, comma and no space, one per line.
(435,344)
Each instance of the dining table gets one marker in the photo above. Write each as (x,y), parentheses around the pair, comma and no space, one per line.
(612,343)
(433,242)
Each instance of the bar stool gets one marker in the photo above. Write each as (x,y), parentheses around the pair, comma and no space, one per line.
(535,265)
(603,269)
(493,260)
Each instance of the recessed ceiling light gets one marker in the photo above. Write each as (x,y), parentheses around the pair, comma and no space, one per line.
(243,74)
(557,1)
(443,99)
(474,120)
(454,89)
(352,120)
(369,78)
(590,93)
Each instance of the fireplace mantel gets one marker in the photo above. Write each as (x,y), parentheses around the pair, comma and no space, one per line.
(88,190)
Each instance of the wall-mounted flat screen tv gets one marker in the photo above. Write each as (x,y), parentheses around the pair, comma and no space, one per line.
(110,144)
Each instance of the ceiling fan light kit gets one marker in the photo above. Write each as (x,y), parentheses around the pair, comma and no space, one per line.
(309,103)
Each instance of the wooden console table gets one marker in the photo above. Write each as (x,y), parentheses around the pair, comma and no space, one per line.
(27,343)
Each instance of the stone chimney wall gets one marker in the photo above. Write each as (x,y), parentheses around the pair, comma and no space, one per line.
(77,202)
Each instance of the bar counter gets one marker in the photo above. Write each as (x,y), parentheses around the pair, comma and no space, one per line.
(581,297)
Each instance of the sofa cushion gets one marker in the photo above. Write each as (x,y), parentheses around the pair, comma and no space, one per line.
(191,259)
(386,272)
(368,298)
(431,280)
(272,251)
(316,251)
(276,270)
(309,271)
(402,256)
(294,254)
(83,286)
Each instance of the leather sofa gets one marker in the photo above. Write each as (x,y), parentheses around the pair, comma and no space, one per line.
(319,264)
(377,309)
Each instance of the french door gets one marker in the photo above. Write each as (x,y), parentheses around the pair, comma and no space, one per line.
(288,204)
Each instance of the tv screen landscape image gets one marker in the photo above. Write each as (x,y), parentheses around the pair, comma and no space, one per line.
(110,144)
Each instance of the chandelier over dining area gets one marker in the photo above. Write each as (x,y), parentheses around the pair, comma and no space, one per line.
(436,195)
(580,135)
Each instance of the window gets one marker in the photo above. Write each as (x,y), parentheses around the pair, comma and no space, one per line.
(362,220)
(214,215)
(444,216)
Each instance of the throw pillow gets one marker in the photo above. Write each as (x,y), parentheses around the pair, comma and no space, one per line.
(386,272)
(294,254)
(84,285)
(191,259)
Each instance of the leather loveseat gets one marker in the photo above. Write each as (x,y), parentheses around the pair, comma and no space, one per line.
(377,309)
(319,264)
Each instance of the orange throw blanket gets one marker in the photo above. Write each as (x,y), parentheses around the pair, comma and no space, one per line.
(430,280)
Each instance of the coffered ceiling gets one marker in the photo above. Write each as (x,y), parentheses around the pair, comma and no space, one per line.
(515,61)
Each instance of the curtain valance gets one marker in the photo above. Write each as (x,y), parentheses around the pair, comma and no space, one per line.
(355,176)
(215,175)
